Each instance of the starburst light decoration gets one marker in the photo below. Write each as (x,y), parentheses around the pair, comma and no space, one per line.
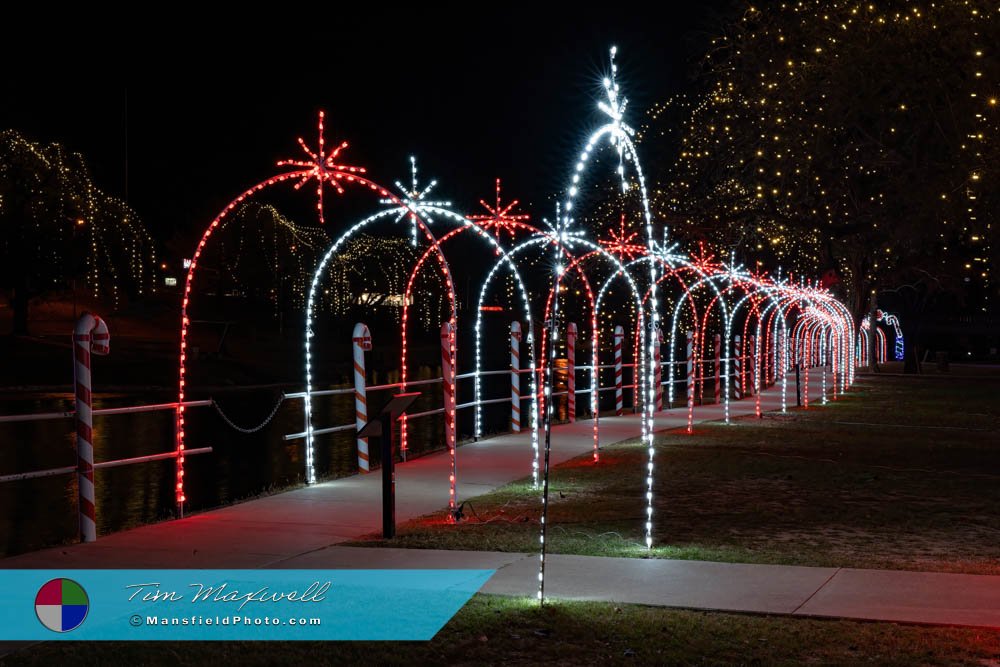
(621,243)
(321,166)
(415,201)
(500,217)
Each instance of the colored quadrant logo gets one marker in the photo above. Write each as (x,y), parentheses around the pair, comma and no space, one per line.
(61,605)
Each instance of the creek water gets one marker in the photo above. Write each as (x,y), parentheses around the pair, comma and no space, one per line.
(36,513)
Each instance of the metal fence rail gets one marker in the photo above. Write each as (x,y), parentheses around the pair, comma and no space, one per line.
(132,409)
(69,414)
(66,470)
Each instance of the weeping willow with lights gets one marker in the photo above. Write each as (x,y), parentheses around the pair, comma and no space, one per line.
(59,227)
(861,137)
(372,272)
(266,256)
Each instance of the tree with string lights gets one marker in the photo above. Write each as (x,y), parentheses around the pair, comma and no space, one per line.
(58,227)
(846,136)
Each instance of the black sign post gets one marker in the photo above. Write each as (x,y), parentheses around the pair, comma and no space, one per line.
(798,386)
(382,428)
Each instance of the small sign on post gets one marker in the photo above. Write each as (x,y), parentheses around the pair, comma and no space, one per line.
(382,428)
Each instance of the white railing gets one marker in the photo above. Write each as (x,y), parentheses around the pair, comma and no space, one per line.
(70,414)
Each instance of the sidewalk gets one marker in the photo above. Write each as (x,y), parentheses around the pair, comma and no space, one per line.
(871,595)
(299,529)
(267,530)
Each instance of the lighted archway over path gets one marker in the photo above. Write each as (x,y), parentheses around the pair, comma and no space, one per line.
(619,136)
(322,166)
(311,307)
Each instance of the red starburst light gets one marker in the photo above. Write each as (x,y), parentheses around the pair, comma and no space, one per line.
(500,217)
(322,167)
(704,260)
(620,243)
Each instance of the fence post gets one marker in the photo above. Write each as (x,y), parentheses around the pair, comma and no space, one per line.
(448,384)
(658,369)
(755,360)
(571,333)
(595,397)
(691,335)
(737,369)
(619,339)
(783,341)
(718,356)
(90,336)
(361,340)
(807,354)
(515,377)
(823,361)
(699,368)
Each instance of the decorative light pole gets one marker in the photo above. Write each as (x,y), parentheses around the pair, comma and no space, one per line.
(562,239)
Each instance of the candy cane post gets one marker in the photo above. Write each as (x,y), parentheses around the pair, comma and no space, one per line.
(595,398)
(362,342)
(823,362)
(448,384)
(658,370)
(690,379)
(737,369)
(756,375)
(699,369)
(571,333)
(718,359)
(783,364)
(515,376)
(619,339)
(89,337)
(806,353)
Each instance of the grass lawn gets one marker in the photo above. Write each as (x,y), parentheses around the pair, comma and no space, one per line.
(491,630)
(901,473)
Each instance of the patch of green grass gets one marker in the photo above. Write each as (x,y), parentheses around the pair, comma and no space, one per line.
(901,473)
(492,631)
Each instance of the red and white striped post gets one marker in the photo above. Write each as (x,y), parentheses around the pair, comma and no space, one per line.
(756,376)
(595,397)
(699,368)
(619,339)
(361,341)
(752,365)
(717,367)
(691,340)
(782,339)
(658,370)
(515,376)
(737,369)
(807,353)
(571,333)
(448,383)
(90,336)
(822,365)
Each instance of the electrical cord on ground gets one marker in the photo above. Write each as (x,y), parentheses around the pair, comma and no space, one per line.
(458,514)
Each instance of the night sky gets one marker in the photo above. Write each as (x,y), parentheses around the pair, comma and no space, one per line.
(474,94)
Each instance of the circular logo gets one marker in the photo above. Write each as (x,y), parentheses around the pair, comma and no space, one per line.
(61,605)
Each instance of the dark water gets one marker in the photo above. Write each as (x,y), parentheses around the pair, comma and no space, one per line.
(42,512)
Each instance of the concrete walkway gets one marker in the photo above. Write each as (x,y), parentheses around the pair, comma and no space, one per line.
(261,532)
(300,528)
(874,595)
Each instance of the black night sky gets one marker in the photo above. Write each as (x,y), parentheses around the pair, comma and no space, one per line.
(199,115)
